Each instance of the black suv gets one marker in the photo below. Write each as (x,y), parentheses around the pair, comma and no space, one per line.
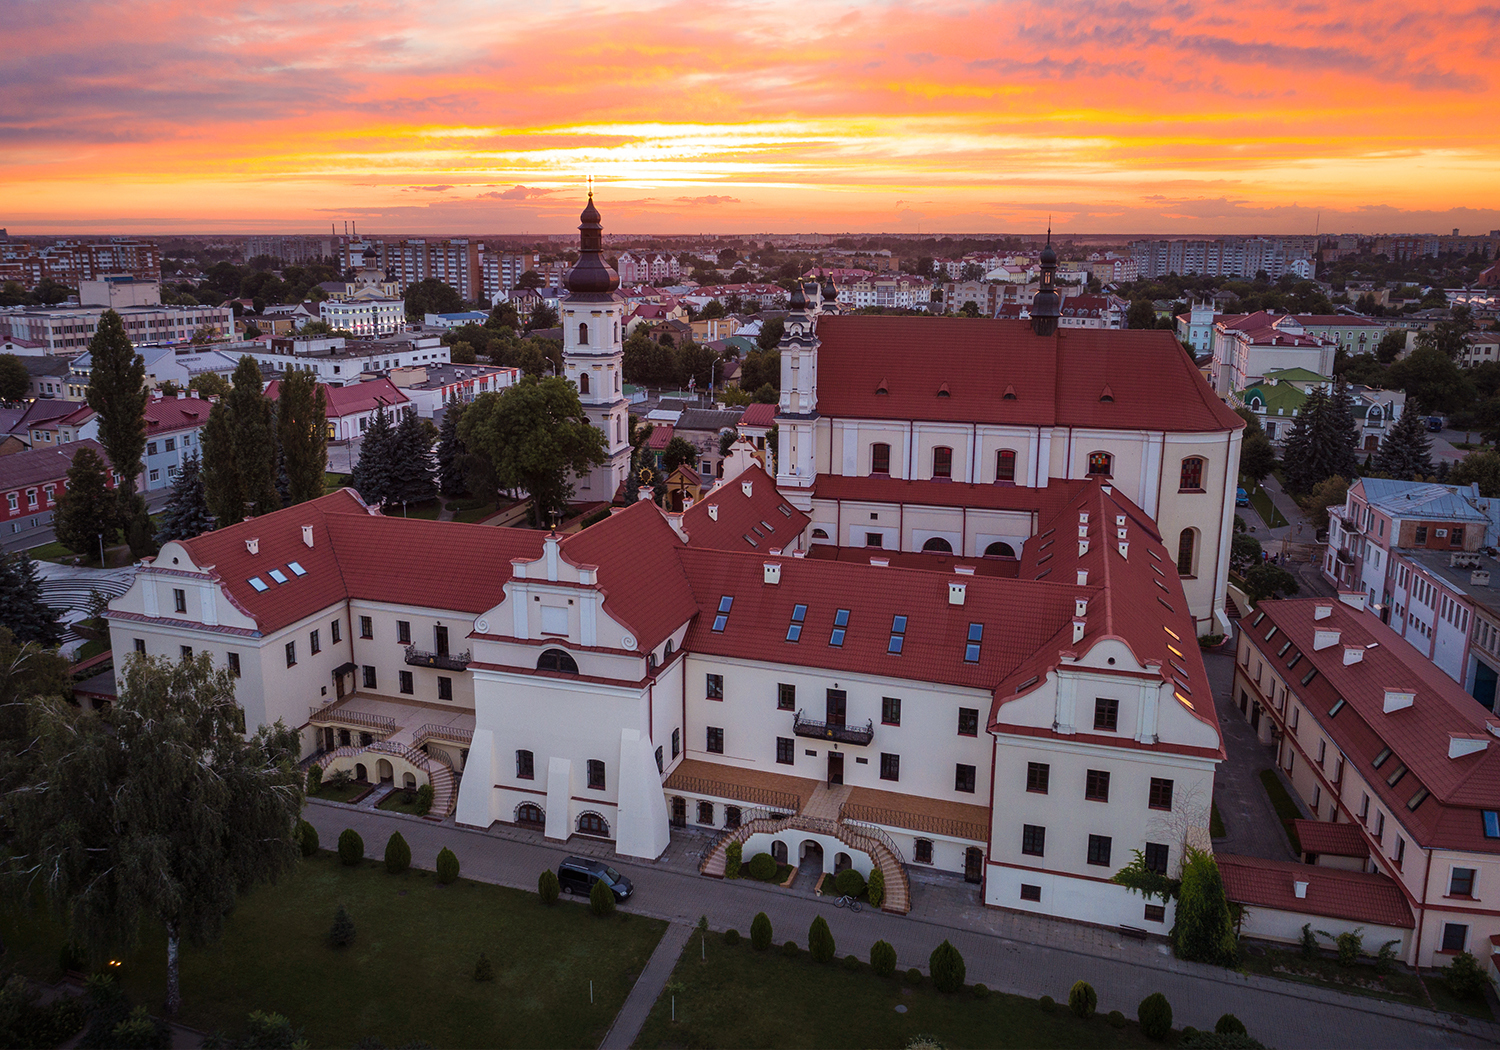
(577,875)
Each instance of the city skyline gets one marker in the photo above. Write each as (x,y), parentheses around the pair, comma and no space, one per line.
(1112,118)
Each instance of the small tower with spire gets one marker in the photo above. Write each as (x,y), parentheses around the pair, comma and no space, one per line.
(594,352)
(797,411)
(1046,305)
(828,295)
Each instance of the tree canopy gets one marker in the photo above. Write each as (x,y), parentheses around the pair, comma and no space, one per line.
(117,394)
(15,380)
(432,296)
(1406,452)
(1481,468)
(23,614)
(186,514)
(1323,441)
(302,429)
(86,510)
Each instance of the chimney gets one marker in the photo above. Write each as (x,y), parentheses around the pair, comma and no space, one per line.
(1083,547)
(307,535)
(1300,889)
(1396,700)
(253,545)
(1083,531)
(956,593)
(745,487)
(1479,578)
(1083,577)
(1459,746)
(1083,517)
(1322,612)
(773,573)
(1124,549)
(1080,606)
(1353,654)
(1353,599)
(713,512)
(1078,626)
(1324,639)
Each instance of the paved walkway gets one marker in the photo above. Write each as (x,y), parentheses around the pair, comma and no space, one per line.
(1251,825)
(648,988)
(1008,951)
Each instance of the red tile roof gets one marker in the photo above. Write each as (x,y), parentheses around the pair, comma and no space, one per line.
(759,415)
(1043,502)
(932,561)
(725,516)
(39,465)
(661,434)
(1355,896)
(1336,840)
(1057,380)
(175,413)
(353,399)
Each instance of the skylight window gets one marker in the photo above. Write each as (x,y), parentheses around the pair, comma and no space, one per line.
(277,575)
(296,568)
(259,584)
(971,647)
(1492,823)
(1285,646)
(1336,708)
(1395,778)
(1295,660)
(725,604)
(1311,674)
(1258,618)
(1271,633)
(767,525)
(840,626)
(898,635)
(1380,758)
(794,629)
(786,512)
(1417,799)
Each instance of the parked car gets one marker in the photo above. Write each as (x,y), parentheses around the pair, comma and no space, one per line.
(1434,423)
(1241,498)
(578,875)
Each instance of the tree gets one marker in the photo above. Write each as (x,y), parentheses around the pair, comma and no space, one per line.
(1244,551)
(713,308)
(678,451)
(117,394)
(535,435)
(1406,452)
(1269,581)
(1430,376)
(504,315)
(252,330)
(15,380)
(302,428)
(1257,456)
(87,510)
(1390,346)
(646,361)
(1204,932)
(542,316)
(159,808)
(186,514)
(209,385)
(1322,442)
(411,460)
(239,450)
(1330,492)
(451,452)
(529,279)
(969,309)
(431,296)
(820,943)
(374,476)
(1142,314)
(770,333)
(1481,468)
(946,966)
(23,613)
(463,354)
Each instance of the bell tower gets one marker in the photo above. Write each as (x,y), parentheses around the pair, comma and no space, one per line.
(594,353)
(797,412)
(1046,305)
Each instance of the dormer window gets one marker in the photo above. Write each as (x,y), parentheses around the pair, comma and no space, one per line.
(943,391)
(942,462)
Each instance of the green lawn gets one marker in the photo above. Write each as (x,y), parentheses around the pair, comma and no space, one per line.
(407,976)
(741,997)
(1400,986)
(428,509)
(331,792)
(399,802)
(334,482)
(1261,501)
(1286,807)
(472,511)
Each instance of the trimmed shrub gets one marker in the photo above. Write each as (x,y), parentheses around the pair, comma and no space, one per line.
(547,887)
(1204,931)
(1465,978)
(484,970)
(424,799)
(763,867)
(307,838)
(1194,1040)
(947,968)
(875,888)
(447,866)
(1155,1015)
(1116,1019)
(820,941)
(731,936)
(914,975)
(1308,946)
(602,900)
(760,932)
(1349,945)
(351,848)
(341,933)
(1228,1025)
(849,883)
(397,854)
(314,779)
(790,949)
(882,958)
(1083,1000)
(733,857)
(981,991)
(140,1031)
(1047,1003)
(851,963)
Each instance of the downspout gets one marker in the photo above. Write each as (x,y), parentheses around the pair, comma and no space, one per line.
(1416,952)
(989,846)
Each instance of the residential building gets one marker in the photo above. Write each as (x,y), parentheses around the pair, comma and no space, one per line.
(31,482)
(119,290)
(293,250)
(454,261)
(1196,327)
(364,317)
(350,409)
(67,330)
(337,362)
(48,376)
(1279,397)
(500,271)
(1225,257)
(431,387)
(457,320)
(1247,346)
(1093,311)
(70,262)
(1478,348)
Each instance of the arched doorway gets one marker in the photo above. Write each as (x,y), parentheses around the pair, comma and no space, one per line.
(409,781)
(778,851)
(841,862)
(938,545)
(360,773)
(384,771)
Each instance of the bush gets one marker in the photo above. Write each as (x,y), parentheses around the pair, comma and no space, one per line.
(397,854)
(790,949)
(601,900)
(851,963)
(849,883)
(484,970)
(882,958)
(732,859)
(731,937)
(266,1030)
(1349,944)
(1204,931)
(1308,946)
(1194,1040)
(947,968)
(1385,959)
(424,799)
(760,932)
(351,848)
(763,867)
(820,941)
(914,975)
(447,866)
(25,1022)
(1465,978)
(1116,1019)
(981,991)
(1047,1003)
(547,887)
(1228,1025)
(314,779)
(141,1031)
(341,934)
(875,888)
(1083,1000)
(307,838)
(1155,1015)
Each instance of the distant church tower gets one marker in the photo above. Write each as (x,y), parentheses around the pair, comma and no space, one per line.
(1046,305)
(797,412)
(594,353)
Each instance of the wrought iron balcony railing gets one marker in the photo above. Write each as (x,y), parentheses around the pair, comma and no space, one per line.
(843,734)
(447,661)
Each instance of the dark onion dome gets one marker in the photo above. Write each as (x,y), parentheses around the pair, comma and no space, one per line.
(798,301)
(1046,305)
(1049,254)
(591,275)
(830,291)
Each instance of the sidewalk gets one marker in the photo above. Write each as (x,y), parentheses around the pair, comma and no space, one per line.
(1010,952)
(648,988)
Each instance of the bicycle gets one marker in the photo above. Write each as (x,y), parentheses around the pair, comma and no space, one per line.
(847,902)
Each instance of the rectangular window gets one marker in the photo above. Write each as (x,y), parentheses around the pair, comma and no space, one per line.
(1156,857)
(1099,846)
(840,626)
(786,697)
(1096,786)
(676,742)
(721,619)
(315,642)
(1161,794)
(150,448)
(366,627)
(890,710)
(179,599)
(403,632)
(898,635)
(968,721)
(963,778)
(1106,715)
(334,631)
(1461,882)
(234,664)
(1038,777)
(794,629)
(525,769)
(1030,892)
(715,740)
(186,652)
(405,682)
(972,643)
(1421,533)
(880,458)
(170,445)
(786,750)
(1156,913)
(445,687)
(923,851)
(368,676)
(291,654)
(596,775)
(715,686)
(140,645)
(1455,936)
(890,767)
(1033,840)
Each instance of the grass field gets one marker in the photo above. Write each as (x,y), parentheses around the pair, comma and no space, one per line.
(741,997)
(1286,807)
(400,802)
(408,975)
(331,792)
(1261,501)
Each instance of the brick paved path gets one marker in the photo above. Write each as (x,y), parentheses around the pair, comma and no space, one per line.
(1252,827)
(1010,952)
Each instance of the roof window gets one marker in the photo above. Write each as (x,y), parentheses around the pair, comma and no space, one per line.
(1271,633)
(1417,799)
(786,512)
(794,629)
(1380,758)
(1033,680)
(277,575)
(840,626)
(1311,674)
(898,635)
(750,540)
(1336,708)
(1287,645)
(296,568)
(1295,660)
(1395,777)
(1258,618)
(258,583)
(1491,823)
(971,647)
(725,604)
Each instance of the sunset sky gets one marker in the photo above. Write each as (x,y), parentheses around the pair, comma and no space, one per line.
(452,116)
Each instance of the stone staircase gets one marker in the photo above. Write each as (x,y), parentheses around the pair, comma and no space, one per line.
(439,773)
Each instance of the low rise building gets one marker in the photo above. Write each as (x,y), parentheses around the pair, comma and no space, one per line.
(32,481)
(67,330)
(351,409)
(430,388)
(364,317)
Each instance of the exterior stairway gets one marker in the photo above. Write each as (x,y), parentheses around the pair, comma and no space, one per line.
(440,774)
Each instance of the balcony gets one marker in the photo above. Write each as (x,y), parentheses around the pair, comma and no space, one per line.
(1344,555)
(842,734)
(445,661)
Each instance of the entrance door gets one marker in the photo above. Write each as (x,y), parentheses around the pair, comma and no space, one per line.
(1484,684)
(679,811)
(1255,715)
(973,863)
(440,635)
(835,767)
(838,702)
(338,685)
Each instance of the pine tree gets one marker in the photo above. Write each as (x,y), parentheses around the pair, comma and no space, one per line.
(373,474)
(239,450)
(302,425)
(451,452)
(22,610)
(411,461)
(186,514)
(1339,445)
(117,394)
(87,510)
(1406,451)
(1323,441)
(1296,453)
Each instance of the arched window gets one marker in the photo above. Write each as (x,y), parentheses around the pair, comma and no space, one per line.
(1187,550)
(942,462)
(705,812)
(530,815)
(1191,478)
(617,382)
(938,544)
(556,660)
(583,334)
(592,824)
(999,550)
(880,458)
(670,647)
(525,766)
(820,534)
(1101,464)
(650,661)
(583,382)
(1005,465)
